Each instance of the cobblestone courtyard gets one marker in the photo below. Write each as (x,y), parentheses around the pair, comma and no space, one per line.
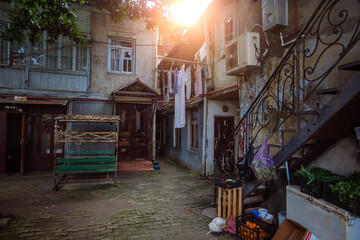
(165,204)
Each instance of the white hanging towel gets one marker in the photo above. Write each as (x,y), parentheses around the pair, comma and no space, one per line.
(188,83)
(170,89)
(177,98)
(179,93)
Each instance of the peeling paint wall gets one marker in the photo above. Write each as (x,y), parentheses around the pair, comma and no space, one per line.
(343,158)
(215,110)
(103,81)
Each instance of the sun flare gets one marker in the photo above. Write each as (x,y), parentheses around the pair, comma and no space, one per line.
(188,11)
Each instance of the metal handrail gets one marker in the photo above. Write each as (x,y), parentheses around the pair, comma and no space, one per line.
(292,74)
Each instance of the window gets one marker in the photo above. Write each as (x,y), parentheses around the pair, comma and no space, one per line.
(121,56)
(17,54)
(194,130)
(177,140)
(4,47)
(229,31)
(52,55)
(65,55)
(81,58)
(37,54)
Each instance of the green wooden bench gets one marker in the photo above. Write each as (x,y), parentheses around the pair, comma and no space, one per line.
(85,162)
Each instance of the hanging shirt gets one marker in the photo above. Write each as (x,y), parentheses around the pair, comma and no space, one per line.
(188,83)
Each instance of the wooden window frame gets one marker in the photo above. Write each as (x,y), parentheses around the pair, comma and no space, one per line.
(194,145)
(121,50)
(177,137)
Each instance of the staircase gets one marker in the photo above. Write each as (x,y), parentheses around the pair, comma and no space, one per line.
(312,98)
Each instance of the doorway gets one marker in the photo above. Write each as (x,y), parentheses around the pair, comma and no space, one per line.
(13,140)
(225,164)
(135,131)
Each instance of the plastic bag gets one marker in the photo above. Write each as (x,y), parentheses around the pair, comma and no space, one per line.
(263,165)
(217,225)
(231,226)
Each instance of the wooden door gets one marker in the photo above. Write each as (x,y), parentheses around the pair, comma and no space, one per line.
(225,164)
(134,131)
(39,148)
(2,141)
(13,141)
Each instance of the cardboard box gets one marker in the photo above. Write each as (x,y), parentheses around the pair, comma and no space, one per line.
(290,230)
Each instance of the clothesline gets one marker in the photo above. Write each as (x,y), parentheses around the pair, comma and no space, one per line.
(181,60)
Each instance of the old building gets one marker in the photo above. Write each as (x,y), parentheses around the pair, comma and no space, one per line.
(285,70)
(112,74)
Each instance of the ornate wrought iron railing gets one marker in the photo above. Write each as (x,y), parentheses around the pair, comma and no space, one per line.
(309,64)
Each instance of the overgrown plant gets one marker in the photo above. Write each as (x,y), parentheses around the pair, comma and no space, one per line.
(315,173)
(348,191)
(29,19)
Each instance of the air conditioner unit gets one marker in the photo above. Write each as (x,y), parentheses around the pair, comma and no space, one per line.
(241,53)
(274,12)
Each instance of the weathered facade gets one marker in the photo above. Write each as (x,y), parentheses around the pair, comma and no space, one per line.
(286,71)
(39,82)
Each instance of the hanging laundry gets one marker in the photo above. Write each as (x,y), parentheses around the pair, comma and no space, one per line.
(181,83)
(169,75)
(178,103)
(188,82)
(198,84)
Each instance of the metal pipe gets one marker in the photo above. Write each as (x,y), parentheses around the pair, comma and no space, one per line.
(154,111)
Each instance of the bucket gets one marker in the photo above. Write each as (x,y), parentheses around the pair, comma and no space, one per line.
(282,216)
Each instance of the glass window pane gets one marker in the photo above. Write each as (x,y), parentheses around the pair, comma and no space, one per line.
(32,141)
(81,58)
(4,47)
(52,56)
(126,44)
(125,66)
(66,54)
(17,54)
(115,60)
(46,138)
(37,54)
(128,54)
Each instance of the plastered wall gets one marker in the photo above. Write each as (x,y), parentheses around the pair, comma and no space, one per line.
(103,81)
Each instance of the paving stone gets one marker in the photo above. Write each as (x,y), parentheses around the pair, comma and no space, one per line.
(166,204)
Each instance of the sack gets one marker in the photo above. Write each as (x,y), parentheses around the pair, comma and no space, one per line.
(263,164)
(231,226)
(217,225)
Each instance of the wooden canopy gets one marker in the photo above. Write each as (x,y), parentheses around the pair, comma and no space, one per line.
(135,91)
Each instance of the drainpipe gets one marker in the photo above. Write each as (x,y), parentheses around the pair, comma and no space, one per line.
(203,160)
(205,117)
(155,87)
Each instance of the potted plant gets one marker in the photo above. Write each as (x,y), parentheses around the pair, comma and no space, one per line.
(312,180)
(346,193)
